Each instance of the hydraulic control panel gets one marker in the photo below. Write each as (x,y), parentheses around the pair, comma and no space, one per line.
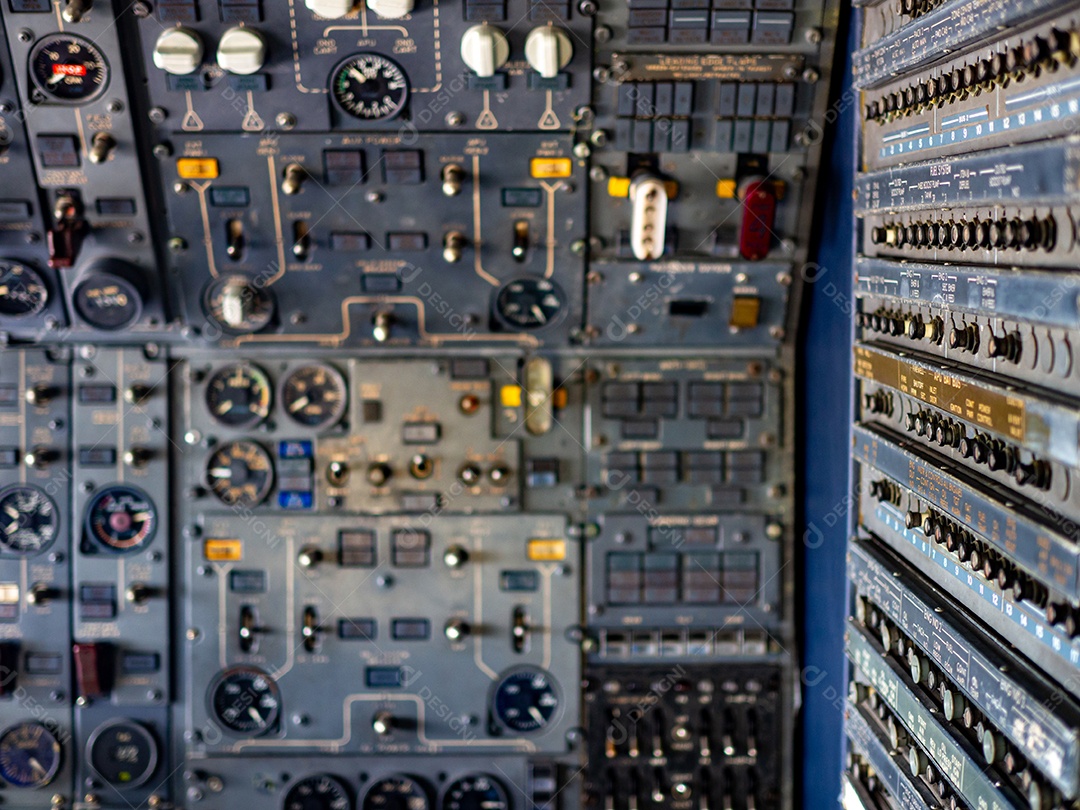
(965,614)
(396,401)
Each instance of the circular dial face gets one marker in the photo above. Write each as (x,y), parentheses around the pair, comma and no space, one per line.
(525,700)
(319,792)
(239,395)
(245,700)
(28,520)
(240,473)
(122,753)
(108,302)
(371,87)
(314,396)
(476,792)
(121,518)
(22,291)
(396,793)
(68,69)
(238,306)
(29,755)
(529,303)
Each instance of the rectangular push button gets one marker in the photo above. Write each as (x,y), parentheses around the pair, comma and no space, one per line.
(410,548)
(93,669)
(384,677)
(410,629)
(356,548)
(356,629)
(343,167)
(197,168)
(58,151)
(550,168)
(403,166)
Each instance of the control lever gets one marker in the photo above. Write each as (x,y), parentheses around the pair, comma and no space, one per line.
(75,10)
(648,216)
(66,235)
(519,632)
(311,629)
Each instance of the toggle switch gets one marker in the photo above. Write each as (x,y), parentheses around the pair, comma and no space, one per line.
(485,49)
(521,240)
(455,556)
(453,246)
(301,248)
(383,723)
(758,199)
(75,10)
(138,457)
(40,395)
(548,50)
(93,670)
(293,179)
(234,239)
(138,593)
(457,630)
(101,146)
(452,178)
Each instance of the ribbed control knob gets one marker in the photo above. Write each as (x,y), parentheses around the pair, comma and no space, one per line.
(484,49)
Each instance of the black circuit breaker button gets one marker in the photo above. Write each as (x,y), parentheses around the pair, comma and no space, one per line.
(247,581)
(140,663)
(97,456)
(230,196)
(699,536)
(541,472)
(660,477)
(419,501)
(639,495)
(647,17)
(660,460)
(664,408)
(730,27)
(646,36)
(699,475)
(689,18)
(178,11)
(765,95)
(621,391)
(403,166)
(356,548)
(728,497)
(410,629)
(97,394)
(664,100)
(43,664)
(476,11)
(702,408)
(58,151)
(746,460)
(115,206)
(357,629)
(343,167)
(542,786)
(410,548)
(469,368)
(724,429)
(619,408)
(641,429)
(420,432)
(659,391)
(744,107)
(729,93)
(97,602)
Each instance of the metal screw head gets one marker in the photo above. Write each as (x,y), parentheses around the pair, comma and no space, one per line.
(455,119)
(157,115)
(25,35)
(374,197)
(177,244)
(162,151)
(285,120)
(582,150)
(192,633)
(813,35)
(141,10)
(115,106)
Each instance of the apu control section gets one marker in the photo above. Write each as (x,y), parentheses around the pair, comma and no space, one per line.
(396,401)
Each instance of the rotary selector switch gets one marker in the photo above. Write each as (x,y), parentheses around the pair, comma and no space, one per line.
(178,51)
(484,49)
(391,9)
(330,9)
(241,51)
(548,50)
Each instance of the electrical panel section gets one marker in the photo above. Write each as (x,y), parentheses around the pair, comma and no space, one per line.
(396,401)
(962,568)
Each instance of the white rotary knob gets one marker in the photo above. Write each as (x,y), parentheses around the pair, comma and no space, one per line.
(548,50)
(242,51)
(484,49)
(391,9)
(330,9)
(178,51)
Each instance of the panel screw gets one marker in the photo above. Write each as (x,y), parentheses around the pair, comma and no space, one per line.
(115,106)
(285,120)
(25,35)
(157,115)
(455,119)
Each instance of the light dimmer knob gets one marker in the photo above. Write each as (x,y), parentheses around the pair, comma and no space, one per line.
(178,51)
(241,51)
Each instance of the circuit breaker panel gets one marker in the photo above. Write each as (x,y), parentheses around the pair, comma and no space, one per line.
(396,401)
(963,566)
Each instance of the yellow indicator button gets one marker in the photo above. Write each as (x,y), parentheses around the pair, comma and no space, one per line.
(510,396)
(547,550)
(745,311)
(548,168)
(726,189)
(559,398)
(197,168)
(223,550)
(9,593)
(618,186)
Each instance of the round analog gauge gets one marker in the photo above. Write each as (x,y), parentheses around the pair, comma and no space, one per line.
(22,291)
(121,518)
(476,792)
(68,69)
(240,473)
(396,793)
(370,87)
(245,700)
(529,303)
(237,305)
(107,301)
(28,520)
(239,395)
(122,753)
(314,396)
(29,755)
(318,792)
(525,700)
